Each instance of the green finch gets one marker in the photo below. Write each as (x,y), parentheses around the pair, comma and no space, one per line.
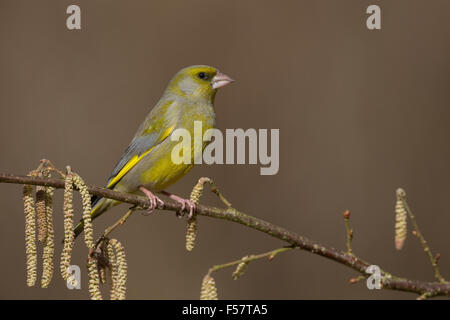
(146,167)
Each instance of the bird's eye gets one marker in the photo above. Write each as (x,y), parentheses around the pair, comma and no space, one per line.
(202,76)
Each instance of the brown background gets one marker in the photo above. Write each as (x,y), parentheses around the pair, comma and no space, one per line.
(360,113)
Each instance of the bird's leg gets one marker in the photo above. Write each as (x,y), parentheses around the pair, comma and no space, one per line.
(184,203)
(154,200)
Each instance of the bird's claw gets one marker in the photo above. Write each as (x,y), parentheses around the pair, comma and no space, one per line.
(184,203)
(154,200)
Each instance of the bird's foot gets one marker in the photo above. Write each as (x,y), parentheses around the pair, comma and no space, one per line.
(184,203)
(154,200)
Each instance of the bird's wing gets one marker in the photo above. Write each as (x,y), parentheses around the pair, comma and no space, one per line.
(155,129)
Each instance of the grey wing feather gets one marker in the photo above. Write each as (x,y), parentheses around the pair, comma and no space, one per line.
(138,146)
(143,142)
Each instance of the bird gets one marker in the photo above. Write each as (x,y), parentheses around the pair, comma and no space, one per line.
(146,167)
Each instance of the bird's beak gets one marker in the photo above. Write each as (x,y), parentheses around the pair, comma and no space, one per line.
(220,80)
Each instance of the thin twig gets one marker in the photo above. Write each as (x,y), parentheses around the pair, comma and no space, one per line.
(111,228)
(271,254)
(197,191)
(426,295)
(221,197)
(346,215)
(424,243)
(357,279)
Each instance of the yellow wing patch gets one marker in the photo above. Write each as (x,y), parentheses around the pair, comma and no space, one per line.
(135,159)
(130,164)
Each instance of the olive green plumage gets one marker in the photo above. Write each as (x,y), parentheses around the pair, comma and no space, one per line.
(147,162)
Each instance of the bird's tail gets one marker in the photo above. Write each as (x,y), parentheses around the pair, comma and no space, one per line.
(99,205)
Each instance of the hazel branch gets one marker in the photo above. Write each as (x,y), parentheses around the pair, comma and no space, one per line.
(233,215)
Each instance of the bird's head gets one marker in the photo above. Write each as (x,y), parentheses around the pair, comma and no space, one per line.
(198,82)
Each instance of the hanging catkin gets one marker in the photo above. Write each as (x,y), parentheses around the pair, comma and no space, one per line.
(400,219)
